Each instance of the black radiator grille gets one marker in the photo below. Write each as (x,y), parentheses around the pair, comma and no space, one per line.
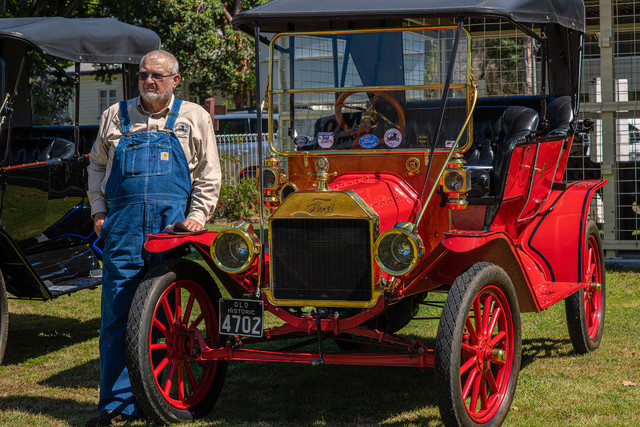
(321,259)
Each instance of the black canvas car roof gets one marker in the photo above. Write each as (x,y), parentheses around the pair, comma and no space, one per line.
(101,40)
(312,15)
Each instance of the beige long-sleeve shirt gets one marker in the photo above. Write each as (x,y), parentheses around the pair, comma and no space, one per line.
(193,128)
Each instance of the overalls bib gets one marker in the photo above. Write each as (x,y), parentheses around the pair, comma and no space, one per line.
(148,188)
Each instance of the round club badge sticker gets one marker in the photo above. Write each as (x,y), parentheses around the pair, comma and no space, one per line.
(392,138)
(368,141)
(181,129)
(325,139)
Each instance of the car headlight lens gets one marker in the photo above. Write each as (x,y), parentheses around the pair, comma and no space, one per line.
(454,181)
(269,179)
(398,251)
(233,250)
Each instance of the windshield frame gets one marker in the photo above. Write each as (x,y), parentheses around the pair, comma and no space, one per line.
(468,87)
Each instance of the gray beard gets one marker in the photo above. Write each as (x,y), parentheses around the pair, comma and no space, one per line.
(153,97)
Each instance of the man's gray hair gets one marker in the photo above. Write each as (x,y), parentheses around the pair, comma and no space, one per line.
(172,62)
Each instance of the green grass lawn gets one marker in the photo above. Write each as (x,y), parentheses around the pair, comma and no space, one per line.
(50,374)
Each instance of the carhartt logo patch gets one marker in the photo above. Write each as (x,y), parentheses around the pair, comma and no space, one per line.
(181,129)
(164,155)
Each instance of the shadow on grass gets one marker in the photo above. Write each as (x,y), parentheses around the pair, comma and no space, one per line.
(80,376)
(34,335)
(51,407)
(533,349)
(287,394)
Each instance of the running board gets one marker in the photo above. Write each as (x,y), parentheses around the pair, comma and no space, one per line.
(70,286)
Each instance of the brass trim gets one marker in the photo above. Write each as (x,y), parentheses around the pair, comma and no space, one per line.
(413,166)
(375,295)
(326,204)
(276,173)
(356,89)
(403,228)
(271,92)
(288,184)
(333,205)
(245,230)
(445,164)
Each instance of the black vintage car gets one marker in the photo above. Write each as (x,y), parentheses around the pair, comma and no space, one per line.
(47,244)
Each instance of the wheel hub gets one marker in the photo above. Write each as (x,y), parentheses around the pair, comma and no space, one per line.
(484,354)
(178,343)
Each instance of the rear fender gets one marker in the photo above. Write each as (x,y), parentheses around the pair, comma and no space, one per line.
(459,250)
(557,239)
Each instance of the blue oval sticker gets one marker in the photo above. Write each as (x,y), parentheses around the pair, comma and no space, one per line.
(368,141)
(300,141)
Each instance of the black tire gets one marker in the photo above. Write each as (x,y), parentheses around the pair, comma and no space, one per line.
(398,315)
(4,318)
(198,382)
(585,309)
(463,359)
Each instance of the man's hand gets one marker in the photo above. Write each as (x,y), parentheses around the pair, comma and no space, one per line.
(98,220)
(192,225)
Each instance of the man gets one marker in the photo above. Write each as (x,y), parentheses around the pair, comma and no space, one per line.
(151,155)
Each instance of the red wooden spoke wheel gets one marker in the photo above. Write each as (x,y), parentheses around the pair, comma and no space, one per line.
(592,289)
(173,309)
(478,348)
(585,308)
(182,379)
(487,354)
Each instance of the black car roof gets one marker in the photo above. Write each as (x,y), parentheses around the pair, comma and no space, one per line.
(311,15)
(102,40)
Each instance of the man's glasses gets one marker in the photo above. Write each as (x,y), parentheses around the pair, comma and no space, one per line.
(156,77)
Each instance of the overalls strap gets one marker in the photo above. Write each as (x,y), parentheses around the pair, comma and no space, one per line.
(173,114)
(124,117)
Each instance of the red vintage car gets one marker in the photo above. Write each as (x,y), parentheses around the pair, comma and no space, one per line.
(396,171)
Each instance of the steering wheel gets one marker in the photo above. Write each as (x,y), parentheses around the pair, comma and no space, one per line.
(369,114)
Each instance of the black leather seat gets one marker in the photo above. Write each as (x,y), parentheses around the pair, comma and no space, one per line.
(514,126)
(493,143)
(559,116)
(58,149)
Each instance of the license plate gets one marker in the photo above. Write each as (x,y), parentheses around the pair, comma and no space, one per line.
(241,317)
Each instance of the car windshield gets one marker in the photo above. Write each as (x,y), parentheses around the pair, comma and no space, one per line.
(369,90)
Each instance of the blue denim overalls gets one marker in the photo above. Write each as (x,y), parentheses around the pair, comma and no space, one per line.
(147,189)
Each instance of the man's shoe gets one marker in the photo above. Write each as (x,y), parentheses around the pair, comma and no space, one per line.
(108,418)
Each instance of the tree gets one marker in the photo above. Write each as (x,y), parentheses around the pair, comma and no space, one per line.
(64,8)
(213,56)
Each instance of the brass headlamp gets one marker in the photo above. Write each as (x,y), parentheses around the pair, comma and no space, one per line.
(455,182)
(233,250)
(273,177)
(398,250)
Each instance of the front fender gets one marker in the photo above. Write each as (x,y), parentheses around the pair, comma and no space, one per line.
(459,250)
(236,285)
(163,242)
